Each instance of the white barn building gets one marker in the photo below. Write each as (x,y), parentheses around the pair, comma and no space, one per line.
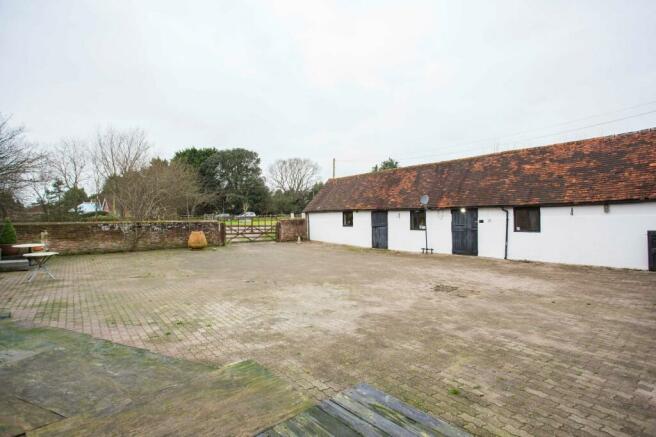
(590,202)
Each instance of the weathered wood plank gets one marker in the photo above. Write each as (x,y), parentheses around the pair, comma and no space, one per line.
(364,410)
(353,421)
(290,429)
(369,395)
(373,417)
(269,433)
(332,424)
(380,412)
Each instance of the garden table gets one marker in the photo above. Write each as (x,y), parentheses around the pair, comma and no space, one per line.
(40,258)
(29,247)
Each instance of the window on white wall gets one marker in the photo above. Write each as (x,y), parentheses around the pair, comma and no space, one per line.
(527,219)
(418,220)
(347,218)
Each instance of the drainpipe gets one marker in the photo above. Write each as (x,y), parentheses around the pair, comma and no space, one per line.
(426,226)
(505,252)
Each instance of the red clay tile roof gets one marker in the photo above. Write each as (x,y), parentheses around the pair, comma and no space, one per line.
(613,168)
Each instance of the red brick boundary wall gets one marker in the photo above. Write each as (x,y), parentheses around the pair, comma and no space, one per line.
(290,230)
(94,237)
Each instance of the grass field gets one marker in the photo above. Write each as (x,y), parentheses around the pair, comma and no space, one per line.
(255,221)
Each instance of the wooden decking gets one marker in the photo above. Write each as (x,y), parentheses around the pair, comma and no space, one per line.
(363,410)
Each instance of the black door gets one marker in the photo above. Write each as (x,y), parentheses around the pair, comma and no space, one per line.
(379,229)
(651,246)
(464,231)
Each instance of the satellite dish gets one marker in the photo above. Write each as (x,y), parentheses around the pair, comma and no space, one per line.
(424,199)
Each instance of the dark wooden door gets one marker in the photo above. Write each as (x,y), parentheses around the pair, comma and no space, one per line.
(379,229)
(464,231)
(651,246)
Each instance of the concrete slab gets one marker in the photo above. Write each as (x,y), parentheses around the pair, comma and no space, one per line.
(70,373)
(18,416)
(239,399)
(57,382)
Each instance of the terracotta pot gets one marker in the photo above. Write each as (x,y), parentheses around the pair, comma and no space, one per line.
(7,250)
(38,249)
(197,240)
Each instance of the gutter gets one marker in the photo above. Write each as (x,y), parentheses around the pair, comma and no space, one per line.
(505,252)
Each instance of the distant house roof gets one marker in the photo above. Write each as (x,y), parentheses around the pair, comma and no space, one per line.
(89,207)
(613,168)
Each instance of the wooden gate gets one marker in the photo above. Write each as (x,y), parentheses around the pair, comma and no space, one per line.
(250,229)
(464,231)
(379,229)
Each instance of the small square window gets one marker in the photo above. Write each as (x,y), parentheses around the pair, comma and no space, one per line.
(418,220)
(347,218)
(527,219)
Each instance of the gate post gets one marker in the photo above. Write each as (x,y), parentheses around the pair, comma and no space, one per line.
(222,234)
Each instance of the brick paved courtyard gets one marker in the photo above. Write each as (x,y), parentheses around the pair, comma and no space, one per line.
(502,348)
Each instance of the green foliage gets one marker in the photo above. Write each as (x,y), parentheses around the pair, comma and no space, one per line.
(157,161)
(8,234)
(388,164)
(235,179)
(284,202)
(194,157)
(56,191)
(72,198)
(454,391)
(60,203)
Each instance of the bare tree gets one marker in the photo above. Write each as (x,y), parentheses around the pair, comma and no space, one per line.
(69,160)
(158,191)
(40,180)
(119,152)
(18,159)
(187,193)
(294,175)
(116,154)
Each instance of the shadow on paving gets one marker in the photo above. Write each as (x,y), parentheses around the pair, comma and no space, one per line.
(57,382)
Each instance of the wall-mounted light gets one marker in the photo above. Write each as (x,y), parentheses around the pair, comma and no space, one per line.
(606,208)
(463,210)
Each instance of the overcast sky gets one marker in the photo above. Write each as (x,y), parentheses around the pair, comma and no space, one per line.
(355,80)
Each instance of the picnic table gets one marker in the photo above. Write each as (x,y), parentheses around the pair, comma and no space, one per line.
(40,258)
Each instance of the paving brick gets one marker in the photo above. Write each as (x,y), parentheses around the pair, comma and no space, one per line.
(324,318)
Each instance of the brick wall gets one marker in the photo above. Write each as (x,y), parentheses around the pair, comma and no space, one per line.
(290,230)
(87,237)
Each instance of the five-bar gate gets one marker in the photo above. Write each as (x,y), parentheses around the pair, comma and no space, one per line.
(250,229)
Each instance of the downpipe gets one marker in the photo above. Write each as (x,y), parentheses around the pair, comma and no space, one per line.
(505,252)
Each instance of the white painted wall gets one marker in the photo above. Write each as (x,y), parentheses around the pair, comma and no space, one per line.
(589,236)
(400,237)
(327,226)
(492,232)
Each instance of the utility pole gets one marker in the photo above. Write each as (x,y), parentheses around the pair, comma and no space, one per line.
(333,168)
